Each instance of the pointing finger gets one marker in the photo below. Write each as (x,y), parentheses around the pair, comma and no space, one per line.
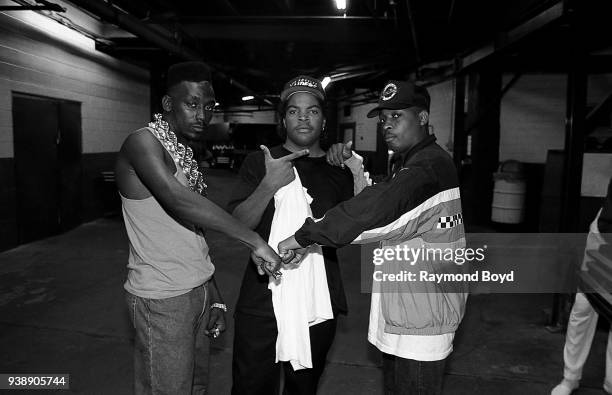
(296,154)
(266,152)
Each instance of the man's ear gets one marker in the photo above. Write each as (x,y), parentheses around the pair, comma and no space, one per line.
(167,103)
(423,117)
(324,123)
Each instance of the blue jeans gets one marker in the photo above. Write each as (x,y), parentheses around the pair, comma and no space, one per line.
(410,377)
(170,349)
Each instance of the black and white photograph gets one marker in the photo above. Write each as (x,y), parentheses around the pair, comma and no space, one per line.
(300,197)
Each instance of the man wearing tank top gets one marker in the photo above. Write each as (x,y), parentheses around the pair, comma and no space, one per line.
(171,304)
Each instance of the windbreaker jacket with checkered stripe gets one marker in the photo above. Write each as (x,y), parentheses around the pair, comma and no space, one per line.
(418,207)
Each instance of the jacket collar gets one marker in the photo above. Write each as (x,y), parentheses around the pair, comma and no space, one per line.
(400,159)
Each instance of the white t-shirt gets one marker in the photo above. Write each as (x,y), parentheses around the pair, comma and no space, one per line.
(417,347)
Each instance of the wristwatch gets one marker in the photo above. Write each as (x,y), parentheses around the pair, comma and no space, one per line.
(221,306)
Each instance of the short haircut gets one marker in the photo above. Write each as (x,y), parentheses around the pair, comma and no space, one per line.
(282,112)
(187,71)
(283,105)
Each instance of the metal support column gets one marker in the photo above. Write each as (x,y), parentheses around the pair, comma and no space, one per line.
(484,96)
(459,138)
(575,123)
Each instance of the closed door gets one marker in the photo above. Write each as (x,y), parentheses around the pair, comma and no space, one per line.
(69,164)
(47,165)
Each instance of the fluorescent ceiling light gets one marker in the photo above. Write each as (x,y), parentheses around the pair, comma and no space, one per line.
(53,28)
(326,80)
(341,4)
(247,98)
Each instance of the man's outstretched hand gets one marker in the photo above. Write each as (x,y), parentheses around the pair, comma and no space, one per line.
(291,252)
(338,153)
(267,261)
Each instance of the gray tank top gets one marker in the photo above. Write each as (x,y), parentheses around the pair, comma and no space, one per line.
(167,258)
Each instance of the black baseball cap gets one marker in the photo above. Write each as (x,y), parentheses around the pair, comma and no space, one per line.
(397,95)
(303,83)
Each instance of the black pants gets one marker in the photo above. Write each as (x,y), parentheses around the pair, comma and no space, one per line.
(410,377)
(254,371)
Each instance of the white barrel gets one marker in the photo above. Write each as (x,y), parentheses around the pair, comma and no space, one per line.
(508,205)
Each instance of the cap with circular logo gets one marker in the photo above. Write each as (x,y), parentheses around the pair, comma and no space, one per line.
(397,95)
(303,83)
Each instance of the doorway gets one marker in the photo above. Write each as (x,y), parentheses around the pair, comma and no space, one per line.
(47,151)
(347,132)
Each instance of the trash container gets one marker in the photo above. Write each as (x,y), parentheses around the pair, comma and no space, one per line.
(508,205)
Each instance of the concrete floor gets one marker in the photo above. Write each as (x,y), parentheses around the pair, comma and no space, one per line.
(62,311)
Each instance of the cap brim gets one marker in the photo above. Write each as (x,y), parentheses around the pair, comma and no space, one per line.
(390,106)
(285,95)
(373,112)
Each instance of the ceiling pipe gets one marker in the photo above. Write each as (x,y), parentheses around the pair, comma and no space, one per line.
(451,11)
(393,6)
(415,41)
(346,76)
(106,11)
(228,6)
(268,18)
(43,5)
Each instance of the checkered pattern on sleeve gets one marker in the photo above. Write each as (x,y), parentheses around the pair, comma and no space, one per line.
(450,221)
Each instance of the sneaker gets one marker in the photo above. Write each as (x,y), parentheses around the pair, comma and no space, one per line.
(565,387)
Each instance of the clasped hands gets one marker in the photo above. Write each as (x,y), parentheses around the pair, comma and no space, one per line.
(290,254)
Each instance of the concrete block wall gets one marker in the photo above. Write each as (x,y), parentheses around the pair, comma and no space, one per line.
(114,95)
(442,112)
(533,122)
(532,117)
(365,128)
(440,117)
(533,114)
(41,57)
(246,115)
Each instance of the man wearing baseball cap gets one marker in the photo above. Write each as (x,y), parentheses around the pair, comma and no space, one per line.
(254,367)
(302,83)
(417,207)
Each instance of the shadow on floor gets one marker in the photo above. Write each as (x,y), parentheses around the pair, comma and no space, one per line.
(62,311)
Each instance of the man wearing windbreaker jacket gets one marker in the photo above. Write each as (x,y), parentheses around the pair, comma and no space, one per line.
(418,206)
